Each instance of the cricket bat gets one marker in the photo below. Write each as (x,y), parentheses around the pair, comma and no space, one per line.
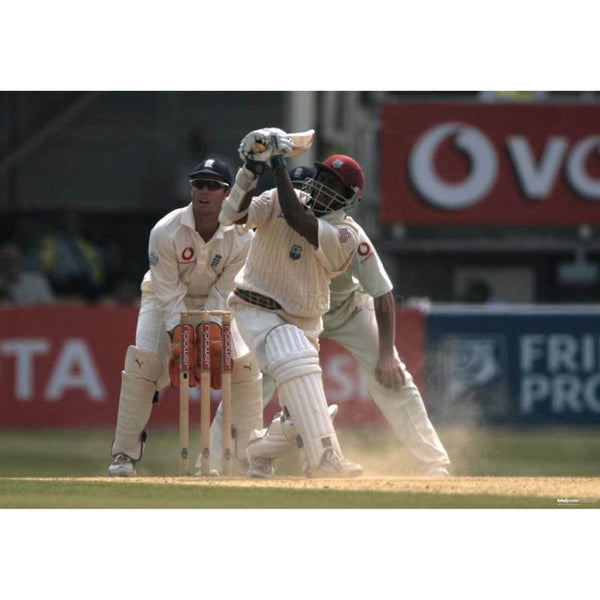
(301,141)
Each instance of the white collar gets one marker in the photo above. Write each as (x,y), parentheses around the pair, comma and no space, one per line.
(187,219)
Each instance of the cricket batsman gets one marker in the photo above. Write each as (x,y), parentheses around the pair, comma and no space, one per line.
(301,242)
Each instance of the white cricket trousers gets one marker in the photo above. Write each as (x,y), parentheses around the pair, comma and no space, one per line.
(357,332)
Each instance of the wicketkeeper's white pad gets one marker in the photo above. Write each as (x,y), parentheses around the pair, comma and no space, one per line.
(138,385)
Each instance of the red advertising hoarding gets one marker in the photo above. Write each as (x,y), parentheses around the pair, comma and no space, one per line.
(60,367)
(490,164)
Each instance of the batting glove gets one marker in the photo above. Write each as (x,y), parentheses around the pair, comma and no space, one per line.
(256,146)
(280,141)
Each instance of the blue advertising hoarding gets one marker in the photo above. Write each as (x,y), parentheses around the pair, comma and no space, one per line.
(517,367)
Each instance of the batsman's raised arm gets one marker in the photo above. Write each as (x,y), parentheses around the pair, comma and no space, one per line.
(296,214)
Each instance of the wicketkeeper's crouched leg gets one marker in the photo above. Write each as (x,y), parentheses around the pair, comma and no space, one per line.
(138,385)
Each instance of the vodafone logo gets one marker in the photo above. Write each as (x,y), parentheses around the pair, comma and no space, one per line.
(187,254)
(443,194)
(363,249)
(536,173)
(575,171)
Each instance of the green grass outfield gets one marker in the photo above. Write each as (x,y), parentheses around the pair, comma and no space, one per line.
(65,493)
(66,469)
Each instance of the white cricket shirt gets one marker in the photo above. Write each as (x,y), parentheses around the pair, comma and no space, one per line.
(183,265)
(284,266)
(365,272)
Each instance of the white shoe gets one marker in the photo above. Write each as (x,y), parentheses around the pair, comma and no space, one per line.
(334,464)
(122,466)
(211,473)
(435,471)
(261,468)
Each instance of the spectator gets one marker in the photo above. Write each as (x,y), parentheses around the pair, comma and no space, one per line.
(73,265)
(18,286)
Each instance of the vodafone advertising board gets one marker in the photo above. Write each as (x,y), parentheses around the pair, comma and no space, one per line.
(60,367)
(490,164)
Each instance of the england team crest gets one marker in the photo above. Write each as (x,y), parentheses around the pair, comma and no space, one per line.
(295,252)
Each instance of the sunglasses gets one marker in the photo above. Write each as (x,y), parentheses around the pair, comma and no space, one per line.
(211,184)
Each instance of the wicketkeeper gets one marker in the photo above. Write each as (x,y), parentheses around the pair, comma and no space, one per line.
(193,261)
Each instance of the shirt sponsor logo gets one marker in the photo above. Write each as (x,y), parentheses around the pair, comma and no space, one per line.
(364,251)
(295,252)
(188,254)
(153,259)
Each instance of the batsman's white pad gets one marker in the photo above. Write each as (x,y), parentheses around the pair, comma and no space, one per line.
(245,181)
(294,363)
(279,438)
(289,354)
(138,384)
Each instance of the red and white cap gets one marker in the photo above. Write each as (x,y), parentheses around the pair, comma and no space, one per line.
(346,168)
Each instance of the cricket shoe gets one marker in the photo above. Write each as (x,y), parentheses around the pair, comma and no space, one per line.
(333,464)
(261,468)
(211,473)
(122,466)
